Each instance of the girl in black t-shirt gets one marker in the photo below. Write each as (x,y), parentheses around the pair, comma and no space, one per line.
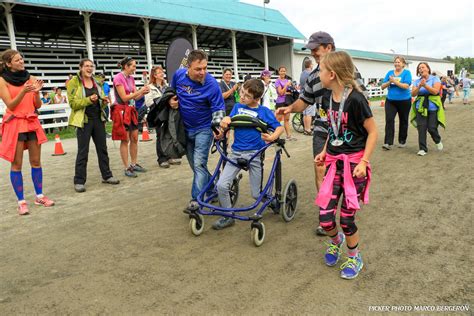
(351,141)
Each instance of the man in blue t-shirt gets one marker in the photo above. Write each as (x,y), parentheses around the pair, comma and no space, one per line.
(247,141)
(200,104)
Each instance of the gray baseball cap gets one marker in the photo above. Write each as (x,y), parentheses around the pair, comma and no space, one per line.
(317,39)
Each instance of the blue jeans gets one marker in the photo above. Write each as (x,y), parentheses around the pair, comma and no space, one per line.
(198,144)
(467,92)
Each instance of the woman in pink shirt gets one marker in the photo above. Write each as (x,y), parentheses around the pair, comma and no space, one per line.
(125,116)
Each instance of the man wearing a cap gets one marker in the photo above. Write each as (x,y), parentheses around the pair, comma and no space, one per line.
(320,44)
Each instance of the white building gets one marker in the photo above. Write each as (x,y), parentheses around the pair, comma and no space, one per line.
(371,65)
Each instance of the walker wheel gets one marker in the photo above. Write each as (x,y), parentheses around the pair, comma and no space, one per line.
(258,233)
(290,199)
(196,223)
(234,191)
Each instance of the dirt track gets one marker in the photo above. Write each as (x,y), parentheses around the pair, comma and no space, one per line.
(127,249)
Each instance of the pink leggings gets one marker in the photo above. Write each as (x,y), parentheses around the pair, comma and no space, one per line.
(327,216)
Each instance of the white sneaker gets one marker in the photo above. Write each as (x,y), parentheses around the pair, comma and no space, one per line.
(387,146)
(402,145)
(439,146)
(421,153)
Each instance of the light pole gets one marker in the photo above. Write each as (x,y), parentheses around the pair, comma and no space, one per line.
(409,38)
(264,13)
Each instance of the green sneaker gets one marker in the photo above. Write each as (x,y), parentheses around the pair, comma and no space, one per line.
(333,252)
(351,268)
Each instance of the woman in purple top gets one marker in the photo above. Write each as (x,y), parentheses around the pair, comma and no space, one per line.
(282,84)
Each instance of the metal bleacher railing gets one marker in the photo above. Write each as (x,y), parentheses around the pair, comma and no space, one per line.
(54,65)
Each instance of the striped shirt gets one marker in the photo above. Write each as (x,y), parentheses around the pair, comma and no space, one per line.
(313,92)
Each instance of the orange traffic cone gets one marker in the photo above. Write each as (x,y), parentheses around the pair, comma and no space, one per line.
(382,104)
(58,147)
(145,134)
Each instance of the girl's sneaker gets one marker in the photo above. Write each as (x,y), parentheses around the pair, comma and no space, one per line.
(44,201)
(23,208)
(130,173)
(351,268)
(137,168)
(333,252)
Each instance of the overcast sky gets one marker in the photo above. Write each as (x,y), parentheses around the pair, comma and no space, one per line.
(440,28)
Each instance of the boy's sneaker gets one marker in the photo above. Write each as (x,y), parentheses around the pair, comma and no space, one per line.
(421,153)
(439,146)
(44,201)
(23,208)
(333,252)
(223,222)
(137,168)
(351,268)
(130,173)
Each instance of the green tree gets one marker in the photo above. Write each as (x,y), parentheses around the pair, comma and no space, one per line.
(462,62)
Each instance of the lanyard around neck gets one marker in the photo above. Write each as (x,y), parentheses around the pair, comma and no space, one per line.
(336,127)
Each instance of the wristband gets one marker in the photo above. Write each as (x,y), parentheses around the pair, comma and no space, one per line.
(365,160)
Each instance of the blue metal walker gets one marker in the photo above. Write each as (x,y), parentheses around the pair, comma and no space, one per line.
(271,194)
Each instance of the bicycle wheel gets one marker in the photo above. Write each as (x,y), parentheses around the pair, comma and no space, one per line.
(297,122)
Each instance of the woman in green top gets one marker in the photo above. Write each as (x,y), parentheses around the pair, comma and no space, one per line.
(87,101)
(427,111)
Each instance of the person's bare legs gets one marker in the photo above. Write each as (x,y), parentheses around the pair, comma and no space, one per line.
(307,122)
(352,240)
(281,118)
(319,172)
(124,152)
(133,136)
(34,152)
(17,162)
(286,125)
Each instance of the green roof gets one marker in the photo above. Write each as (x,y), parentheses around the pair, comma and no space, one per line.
(224,14)
(355,53)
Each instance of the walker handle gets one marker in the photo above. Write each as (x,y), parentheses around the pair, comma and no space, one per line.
(281,143)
